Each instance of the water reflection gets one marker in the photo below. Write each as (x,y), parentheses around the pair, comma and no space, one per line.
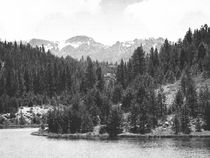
(19,143)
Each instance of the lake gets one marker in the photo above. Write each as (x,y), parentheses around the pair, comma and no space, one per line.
(18,143)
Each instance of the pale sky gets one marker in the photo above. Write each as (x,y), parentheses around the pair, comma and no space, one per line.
(107,21)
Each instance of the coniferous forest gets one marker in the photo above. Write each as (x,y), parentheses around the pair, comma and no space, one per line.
(124,96)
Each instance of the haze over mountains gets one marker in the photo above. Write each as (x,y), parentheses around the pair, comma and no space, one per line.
(79,46)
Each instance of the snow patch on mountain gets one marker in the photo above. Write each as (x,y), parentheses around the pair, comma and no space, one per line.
(79,46)
(48,47)
(155,45)
(128,44)
(62,44)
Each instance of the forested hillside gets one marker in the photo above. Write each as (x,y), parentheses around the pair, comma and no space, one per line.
(128,96)
(32,76)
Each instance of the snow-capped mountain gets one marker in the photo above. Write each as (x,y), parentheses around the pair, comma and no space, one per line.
(79,46)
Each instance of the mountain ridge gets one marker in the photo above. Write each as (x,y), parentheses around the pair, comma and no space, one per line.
(83,46)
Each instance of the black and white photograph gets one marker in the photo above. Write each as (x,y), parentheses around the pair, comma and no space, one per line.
(104,78)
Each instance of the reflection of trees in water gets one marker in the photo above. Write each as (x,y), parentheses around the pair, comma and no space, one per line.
(192,143)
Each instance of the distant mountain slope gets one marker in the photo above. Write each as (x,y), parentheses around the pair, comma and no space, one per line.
(79,46)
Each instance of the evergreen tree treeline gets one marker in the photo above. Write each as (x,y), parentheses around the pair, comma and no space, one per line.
(82,97)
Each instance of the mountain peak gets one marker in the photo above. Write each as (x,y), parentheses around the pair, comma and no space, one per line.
(80,38)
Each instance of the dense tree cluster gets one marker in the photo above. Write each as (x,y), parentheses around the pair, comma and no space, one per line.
(167,65)
(190,104)
(32,76)
(83,95)
(184,59)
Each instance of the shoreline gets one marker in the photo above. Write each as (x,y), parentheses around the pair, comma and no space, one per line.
(151,136)
(88,136)
(91,136)
(19,126)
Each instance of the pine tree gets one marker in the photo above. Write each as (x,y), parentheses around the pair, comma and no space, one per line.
(10,85)
(176,124)
(21,85)
(114,122)
(117,94)
(178,101)
(185,120)
(127,99)
(182,59)
(164,56)
(2,85)
(198,126)
(129,76)
(207,66)
(170,77)
(28,81)
(50,81)
(86,124)
(68,85)
(188,37)
(151,63)
(100,80)
(138,61)
(120,74)
(201,55)
(133,118)
(189,91)
(204,104)
(161,105)
(89,74)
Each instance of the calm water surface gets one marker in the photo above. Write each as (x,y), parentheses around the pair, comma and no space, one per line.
(18,143)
